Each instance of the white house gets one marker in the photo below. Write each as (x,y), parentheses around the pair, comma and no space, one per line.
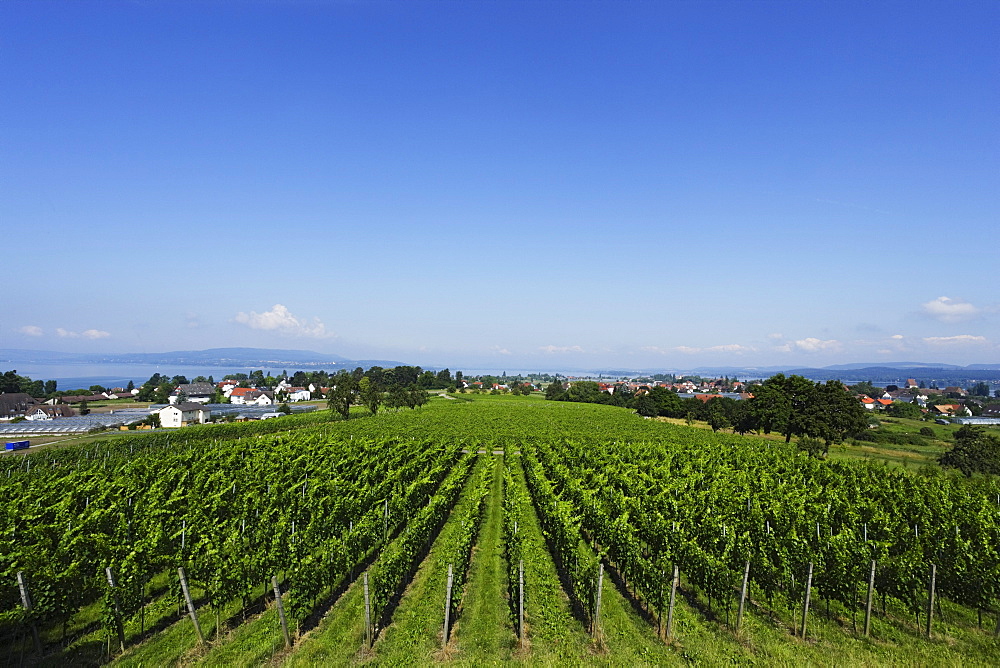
(198,393)
(181,415)
(298,394)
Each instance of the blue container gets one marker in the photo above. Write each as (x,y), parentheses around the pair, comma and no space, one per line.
(18,445)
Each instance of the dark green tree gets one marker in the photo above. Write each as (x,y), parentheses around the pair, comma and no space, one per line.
(397,397)
(902,409)
(980,389)
(585,391)
(342,394)
(866,387)
(836,413)
(668,404)
(554,391)
(645,406)
(370,394)
(975,451)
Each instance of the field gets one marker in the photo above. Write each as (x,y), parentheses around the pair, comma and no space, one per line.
(586,498)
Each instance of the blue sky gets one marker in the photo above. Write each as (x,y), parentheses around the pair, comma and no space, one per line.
(489,184)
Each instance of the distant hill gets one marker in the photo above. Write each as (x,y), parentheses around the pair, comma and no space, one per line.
(222,357)
(899,365)
(880,375)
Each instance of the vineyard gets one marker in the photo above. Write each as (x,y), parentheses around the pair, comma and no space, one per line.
(498,529)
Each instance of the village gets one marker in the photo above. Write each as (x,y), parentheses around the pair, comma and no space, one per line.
(240,397)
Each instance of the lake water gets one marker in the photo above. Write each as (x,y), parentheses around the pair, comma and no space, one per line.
(82,376)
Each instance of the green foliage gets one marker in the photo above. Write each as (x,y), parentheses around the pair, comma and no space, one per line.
(901,409)
(342,394)
(645,406)
(554,391)
(370,394)
(813,447)
(975,451)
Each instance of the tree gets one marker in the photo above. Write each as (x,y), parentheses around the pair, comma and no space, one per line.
(902,409)
(554,391)
(370,394)
(814,447)
(444,378)
(645,406)
(162,393)
(129,387)
(50,386)
(416,396)
(717,419)
(584,391)
(980,389)
(866,387)
(146,392)
(283,408)
(795,406)
(975,451)
(396,398)
(84,409)
(668,404)
(342,394)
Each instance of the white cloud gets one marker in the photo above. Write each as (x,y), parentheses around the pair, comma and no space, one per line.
(91,334)
(947,309)
(561,349)
(95,334)
(897,337)
(729,348)
(960,339)
(812,345)
(500,350)
(280,319)
(723,348)
(31,330)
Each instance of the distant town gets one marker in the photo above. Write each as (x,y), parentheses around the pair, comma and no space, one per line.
(30,406)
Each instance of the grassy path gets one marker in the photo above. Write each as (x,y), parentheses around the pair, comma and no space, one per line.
(553,633)
(484,629)
(414,636)
(340,637)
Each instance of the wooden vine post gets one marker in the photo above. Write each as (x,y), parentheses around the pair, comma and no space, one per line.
(520,601)
(743,596)
(368,615)
(22,585)
(596,624)
(805,603)
(930,600)
(670,608)
(281,611)
(119,626)
(868,601)
(190,604)
(447,606)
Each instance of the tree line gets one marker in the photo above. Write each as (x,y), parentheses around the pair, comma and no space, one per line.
(793,406)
